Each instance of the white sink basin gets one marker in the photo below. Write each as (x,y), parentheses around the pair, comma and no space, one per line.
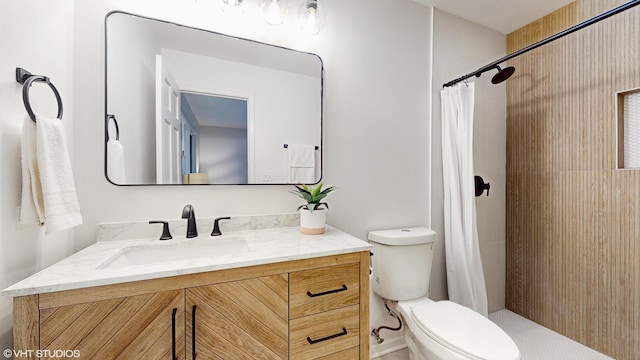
(187,250)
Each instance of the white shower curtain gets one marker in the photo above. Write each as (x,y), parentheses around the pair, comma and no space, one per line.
(465,277)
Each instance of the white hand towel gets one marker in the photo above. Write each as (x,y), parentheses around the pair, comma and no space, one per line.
(31,204)
(302,164)
(115,161)
(52,173)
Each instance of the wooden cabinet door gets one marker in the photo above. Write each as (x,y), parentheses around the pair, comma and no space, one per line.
(239,320)
(147,326)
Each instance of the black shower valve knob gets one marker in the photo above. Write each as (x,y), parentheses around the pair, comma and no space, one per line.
(481,186)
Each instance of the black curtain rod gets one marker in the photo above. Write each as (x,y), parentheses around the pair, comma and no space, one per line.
(551,38)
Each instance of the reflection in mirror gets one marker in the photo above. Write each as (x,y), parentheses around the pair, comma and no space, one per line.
(198,107)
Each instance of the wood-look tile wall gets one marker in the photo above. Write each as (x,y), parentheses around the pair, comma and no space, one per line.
(573,220)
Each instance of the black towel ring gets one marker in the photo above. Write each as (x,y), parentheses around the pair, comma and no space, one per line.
(26,79)
(115,122)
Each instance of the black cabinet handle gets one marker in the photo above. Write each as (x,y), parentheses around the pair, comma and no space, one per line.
(343,288)
(193,332)
(173,334)
(343,333)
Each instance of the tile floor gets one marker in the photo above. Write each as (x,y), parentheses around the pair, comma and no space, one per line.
(534,341)
(397,355)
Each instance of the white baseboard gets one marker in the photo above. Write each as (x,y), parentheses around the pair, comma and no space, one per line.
(390,344)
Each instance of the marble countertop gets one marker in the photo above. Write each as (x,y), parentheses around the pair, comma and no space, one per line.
(91,266)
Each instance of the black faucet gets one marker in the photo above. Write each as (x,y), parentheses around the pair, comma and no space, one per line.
(190,214)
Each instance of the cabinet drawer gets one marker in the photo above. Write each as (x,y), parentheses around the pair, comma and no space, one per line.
(350,354)
(328,288)
(322,334)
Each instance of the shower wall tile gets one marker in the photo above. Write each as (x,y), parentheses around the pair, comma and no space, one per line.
(572,219)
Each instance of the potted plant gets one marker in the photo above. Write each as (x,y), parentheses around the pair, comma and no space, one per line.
(313,214)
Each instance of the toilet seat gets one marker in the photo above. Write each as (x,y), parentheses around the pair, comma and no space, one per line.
(464,331)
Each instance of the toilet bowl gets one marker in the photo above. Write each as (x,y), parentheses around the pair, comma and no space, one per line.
(446,330)
(433,330)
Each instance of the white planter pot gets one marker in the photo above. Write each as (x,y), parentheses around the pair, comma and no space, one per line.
(313,223)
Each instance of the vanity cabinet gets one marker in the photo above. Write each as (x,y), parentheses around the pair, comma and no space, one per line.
(307,309)
(244,319)
(149,326)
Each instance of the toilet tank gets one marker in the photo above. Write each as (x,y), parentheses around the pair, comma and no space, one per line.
(401,262)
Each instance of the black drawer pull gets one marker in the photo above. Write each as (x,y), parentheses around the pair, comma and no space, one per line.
(194,354)
(343,333)
(343,288)
(173,334)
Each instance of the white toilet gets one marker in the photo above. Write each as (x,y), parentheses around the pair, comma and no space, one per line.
(442,330)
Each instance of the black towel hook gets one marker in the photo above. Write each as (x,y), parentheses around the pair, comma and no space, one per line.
(115,122)
(26,79)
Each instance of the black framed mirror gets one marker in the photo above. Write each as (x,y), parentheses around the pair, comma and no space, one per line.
(192,106)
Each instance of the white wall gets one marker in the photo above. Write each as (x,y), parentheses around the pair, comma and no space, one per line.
(38,36)
(376,121)
(377,112)
(461,47)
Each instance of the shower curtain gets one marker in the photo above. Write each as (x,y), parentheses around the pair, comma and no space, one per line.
(465,277)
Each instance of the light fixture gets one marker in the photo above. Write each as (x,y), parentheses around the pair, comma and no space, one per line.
(311,16)
(234,6)
(274,11)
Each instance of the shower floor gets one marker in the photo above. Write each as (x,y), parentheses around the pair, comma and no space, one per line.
(537,342)
(534,341)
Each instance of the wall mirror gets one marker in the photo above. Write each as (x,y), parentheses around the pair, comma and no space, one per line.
(190,106)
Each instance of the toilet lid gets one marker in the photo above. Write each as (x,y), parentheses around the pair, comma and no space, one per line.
(464,331)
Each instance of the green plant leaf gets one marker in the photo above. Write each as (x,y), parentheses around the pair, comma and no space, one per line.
(328,190)
(302,193)
(317,206)
(303,190)
(324,193)
(316,191)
